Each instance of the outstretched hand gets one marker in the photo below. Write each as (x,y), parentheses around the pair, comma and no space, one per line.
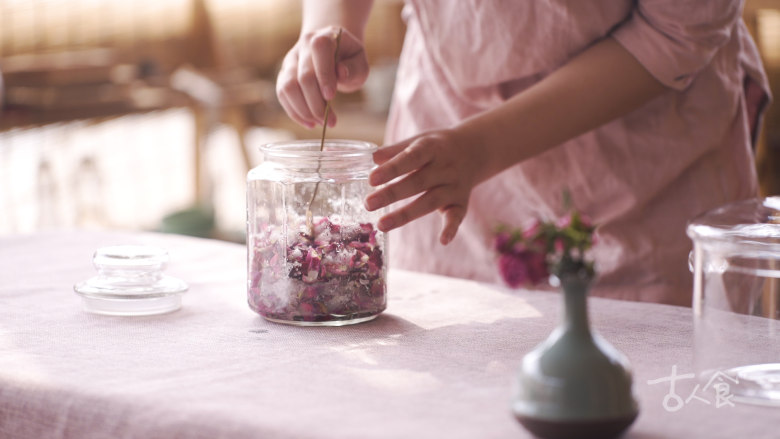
(310,74)
(435,166)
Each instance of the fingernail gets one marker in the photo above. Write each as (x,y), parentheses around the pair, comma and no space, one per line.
(386,224)
(328,93)
(343,72)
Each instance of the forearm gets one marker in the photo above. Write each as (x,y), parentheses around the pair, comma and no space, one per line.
(349,14)
(599,85)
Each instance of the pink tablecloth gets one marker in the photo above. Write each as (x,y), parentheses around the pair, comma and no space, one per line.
(438,363)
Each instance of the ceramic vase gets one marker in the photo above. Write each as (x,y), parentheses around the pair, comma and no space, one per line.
(575,384)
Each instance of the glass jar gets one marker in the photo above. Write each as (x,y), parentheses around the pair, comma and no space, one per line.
(736,300)
(315,256)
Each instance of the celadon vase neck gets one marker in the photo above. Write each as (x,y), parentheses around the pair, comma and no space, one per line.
(575,305)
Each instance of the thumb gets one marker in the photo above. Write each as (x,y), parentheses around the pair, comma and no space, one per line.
(351,72)
(453,217)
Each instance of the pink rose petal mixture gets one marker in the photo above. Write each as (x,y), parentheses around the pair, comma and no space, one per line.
(337,274)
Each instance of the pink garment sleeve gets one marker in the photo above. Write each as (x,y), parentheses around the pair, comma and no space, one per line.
(675,39)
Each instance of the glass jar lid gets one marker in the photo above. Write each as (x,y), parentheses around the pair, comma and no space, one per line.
(130,282)
(745,226)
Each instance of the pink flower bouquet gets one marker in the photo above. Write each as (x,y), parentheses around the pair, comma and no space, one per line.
(528,257)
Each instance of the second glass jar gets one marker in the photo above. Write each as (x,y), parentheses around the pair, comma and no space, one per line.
(315,256)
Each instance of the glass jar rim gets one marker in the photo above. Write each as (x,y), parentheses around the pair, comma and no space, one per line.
(310,148)
(752,224)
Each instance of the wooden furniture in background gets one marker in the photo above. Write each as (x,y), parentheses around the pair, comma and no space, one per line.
(763,19)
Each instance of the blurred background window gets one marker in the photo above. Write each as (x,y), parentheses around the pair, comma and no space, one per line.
(147,114)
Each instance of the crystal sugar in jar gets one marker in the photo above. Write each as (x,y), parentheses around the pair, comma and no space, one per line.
(315,256)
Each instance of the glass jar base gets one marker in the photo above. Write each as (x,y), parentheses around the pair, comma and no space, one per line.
(323,323)
(757,384)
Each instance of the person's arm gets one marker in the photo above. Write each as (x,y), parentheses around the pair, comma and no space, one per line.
(352,15)
(309,75)
(602,83)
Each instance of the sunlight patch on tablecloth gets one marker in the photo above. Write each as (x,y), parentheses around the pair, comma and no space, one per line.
(397,380)
(454,299)
(17,365)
